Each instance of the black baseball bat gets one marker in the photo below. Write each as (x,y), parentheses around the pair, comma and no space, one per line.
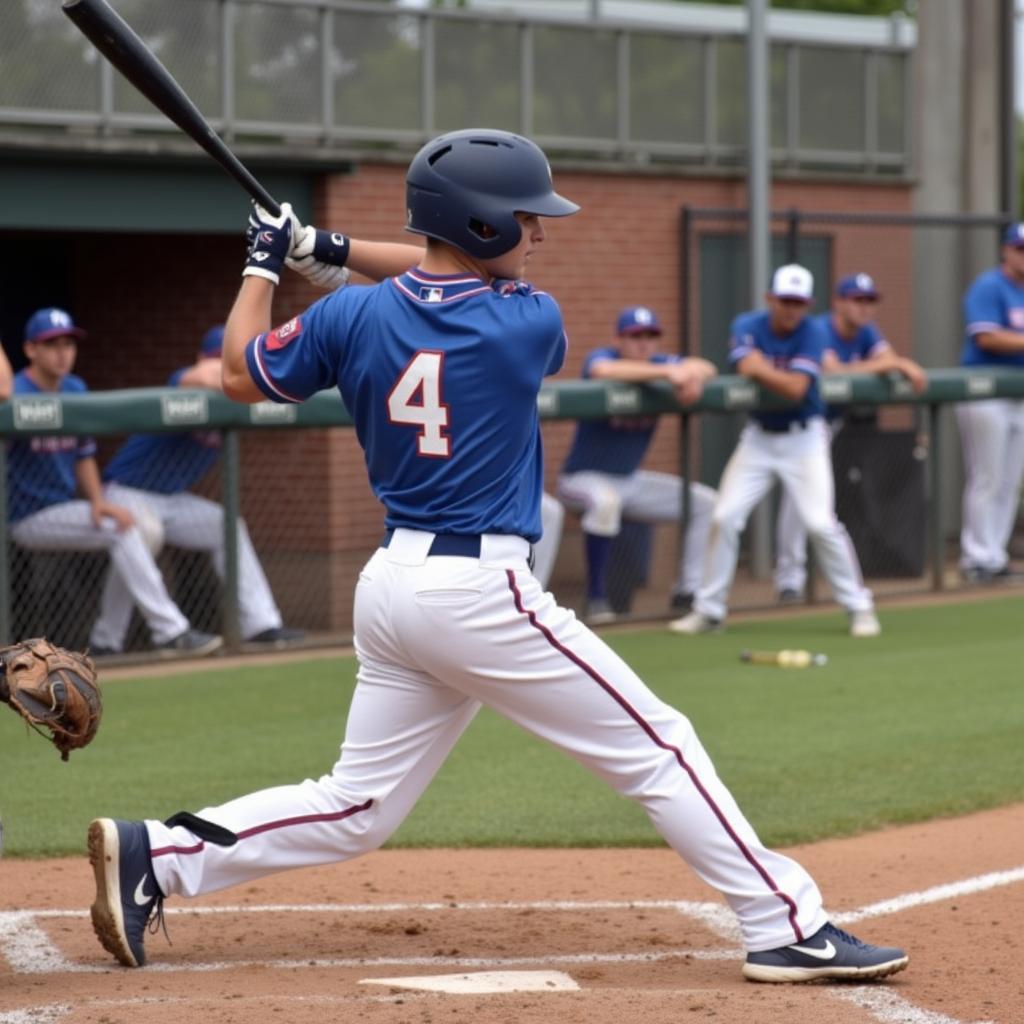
(113,37)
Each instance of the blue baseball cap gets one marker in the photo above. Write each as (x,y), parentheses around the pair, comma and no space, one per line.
(638,320)
(857,286)
(51,322)
(1014,234)
(213,341)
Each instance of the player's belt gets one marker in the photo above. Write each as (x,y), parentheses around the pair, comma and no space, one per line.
(458,544)
(784,429)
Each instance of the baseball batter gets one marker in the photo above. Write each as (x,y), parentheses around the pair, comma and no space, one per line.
(441,367)
(992,431)
(602,477)
(853,344)
(781,348)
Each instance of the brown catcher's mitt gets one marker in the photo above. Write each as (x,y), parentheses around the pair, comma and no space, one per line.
(52,689)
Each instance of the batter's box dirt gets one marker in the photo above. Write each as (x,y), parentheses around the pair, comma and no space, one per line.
(950,892)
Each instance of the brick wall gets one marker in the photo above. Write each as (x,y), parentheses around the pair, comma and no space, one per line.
(146,300)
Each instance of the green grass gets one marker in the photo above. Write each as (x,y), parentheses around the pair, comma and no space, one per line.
(925,721)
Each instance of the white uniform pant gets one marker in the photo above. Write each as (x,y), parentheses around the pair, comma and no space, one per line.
(437,637)
(648,497)
(791,539)
(545,551)
(196,524)
(992,438)
(802,461)
(68,526)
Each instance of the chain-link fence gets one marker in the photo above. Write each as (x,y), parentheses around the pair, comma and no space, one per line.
(310,521)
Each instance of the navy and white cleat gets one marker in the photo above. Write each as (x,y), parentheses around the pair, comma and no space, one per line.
(127,896)
(828,953)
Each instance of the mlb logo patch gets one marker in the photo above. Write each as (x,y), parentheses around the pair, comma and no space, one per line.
(285,334)
(432,294)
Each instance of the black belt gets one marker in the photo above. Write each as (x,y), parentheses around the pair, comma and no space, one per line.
(798,424)
(462,545)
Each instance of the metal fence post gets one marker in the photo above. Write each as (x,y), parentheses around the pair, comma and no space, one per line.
(936,519)
(231,502)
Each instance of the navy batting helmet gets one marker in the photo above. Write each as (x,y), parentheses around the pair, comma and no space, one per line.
(466,187)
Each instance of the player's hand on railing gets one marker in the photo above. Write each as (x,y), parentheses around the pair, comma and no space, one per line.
(269,241)
(687,382)
(319,256)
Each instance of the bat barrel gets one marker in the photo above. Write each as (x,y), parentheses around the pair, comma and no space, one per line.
(114,38)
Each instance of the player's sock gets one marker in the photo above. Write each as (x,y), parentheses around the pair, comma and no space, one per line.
(597,551)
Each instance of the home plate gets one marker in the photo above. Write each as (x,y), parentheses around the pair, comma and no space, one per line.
(483,981)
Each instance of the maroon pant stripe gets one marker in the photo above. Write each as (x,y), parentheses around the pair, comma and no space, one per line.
(270,826)
(658,741)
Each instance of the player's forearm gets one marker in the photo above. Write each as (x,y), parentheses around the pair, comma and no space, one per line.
(633,371)
(785,383)
(249,316)
(378,260)
(87,475)
(6,376)
(1000,341)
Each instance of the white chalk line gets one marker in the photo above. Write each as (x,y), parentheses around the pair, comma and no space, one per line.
(889,1007)
(28,949)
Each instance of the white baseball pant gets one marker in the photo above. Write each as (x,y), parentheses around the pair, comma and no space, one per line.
(436,638)
(648,497)
(992,438)
(196,524)
(68,526)
(545,551)
(802,461)
(791,539)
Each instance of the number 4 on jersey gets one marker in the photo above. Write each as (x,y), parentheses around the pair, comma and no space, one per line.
(416,399)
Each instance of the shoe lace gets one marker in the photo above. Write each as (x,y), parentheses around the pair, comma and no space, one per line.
(156,921)
(846,936)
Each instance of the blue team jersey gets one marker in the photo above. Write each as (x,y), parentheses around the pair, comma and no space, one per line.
(865,344)
(992,303)
(41,470)
(616,446)
(440,375)
(164,463)
(800,351)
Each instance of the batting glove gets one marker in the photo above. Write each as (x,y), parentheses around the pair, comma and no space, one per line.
(270,240)
(319,256)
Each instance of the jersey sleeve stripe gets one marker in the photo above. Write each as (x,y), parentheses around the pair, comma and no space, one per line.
(262,377)
(879,348)
(805,366)
(982,326)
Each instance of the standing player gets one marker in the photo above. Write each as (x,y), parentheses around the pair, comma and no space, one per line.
(992,431)
(853,343)
(45,473)
(440,368)
(602,477)
(151,474)
(781,349)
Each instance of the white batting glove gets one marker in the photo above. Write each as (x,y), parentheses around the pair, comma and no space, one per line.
(319,256)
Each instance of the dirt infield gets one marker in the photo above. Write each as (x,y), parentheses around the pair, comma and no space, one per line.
(631,934)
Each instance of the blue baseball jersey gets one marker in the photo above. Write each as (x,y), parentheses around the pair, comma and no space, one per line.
(866,343)
(800,351)
(164,463)
(441,376)
(615,446)
(992,303)
(41,470)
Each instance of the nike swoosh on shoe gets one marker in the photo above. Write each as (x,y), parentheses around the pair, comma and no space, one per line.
(141,899)
(826,952)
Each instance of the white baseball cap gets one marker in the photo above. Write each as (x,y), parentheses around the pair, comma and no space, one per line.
(793,282)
